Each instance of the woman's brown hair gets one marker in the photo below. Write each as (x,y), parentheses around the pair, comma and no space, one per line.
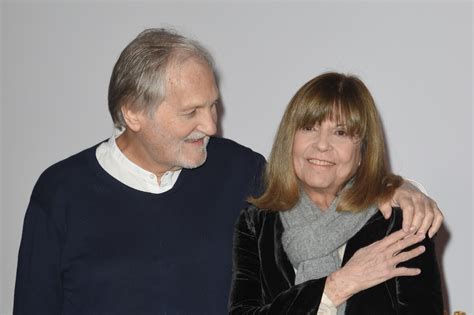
(341,98)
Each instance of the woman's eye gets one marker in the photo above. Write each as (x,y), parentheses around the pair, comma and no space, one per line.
(311,129)
(341,132)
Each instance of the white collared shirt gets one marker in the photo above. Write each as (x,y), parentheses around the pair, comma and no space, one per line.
(114,162)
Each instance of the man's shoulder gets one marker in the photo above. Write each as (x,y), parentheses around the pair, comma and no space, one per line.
(239,167)
(66,171)
(228,156)
(228,147)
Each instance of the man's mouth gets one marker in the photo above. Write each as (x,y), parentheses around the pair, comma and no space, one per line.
(197,141)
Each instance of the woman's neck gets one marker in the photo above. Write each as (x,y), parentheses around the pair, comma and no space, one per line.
(322,200)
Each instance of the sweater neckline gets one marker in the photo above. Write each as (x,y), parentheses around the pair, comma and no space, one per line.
(121,187)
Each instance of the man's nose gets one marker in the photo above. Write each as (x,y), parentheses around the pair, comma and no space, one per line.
(208,121)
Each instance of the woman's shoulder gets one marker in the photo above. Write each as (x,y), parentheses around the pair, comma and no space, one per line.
(254,211)
(255,217)
(389,225)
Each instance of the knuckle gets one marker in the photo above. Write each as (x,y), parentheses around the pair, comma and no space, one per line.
(439,213)
(422,196)
(409,207)
(419,197)
(420,211)
(430,215)
(399,246)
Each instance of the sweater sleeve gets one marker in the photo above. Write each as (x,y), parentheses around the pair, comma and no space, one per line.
(38,283)
(247,290)
(257,186)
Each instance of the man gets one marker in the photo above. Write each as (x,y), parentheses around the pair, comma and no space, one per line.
(142,223)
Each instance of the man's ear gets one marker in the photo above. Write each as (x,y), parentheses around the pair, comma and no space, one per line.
(133,117)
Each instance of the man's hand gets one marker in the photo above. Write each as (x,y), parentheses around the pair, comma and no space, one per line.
(374,264)
(420,212)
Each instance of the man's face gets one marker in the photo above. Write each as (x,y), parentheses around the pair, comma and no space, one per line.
(176,134)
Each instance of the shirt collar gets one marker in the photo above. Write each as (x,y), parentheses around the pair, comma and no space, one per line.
(112,159)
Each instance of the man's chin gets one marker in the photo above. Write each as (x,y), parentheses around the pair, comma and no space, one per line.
(195,163)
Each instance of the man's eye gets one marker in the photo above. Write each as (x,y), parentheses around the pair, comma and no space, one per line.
(190,113)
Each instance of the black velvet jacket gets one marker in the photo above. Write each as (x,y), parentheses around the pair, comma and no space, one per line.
(263,277)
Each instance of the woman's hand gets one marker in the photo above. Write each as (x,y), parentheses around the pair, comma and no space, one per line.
(420,213)
(374,264)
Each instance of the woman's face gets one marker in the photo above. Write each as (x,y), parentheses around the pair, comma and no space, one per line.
(325,157)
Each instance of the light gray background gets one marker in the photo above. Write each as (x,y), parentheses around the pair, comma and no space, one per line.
(416,58)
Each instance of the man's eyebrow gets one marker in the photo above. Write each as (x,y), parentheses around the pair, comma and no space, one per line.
(192,106)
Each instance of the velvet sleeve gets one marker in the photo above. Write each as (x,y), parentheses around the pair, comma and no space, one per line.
(421,294)
(249,294)
(38,285)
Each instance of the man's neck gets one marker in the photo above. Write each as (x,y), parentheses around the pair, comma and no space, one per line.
(132,149)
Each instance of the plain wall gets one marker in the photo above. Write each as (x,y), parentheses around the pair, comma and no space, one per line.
(2,210)
(416,58)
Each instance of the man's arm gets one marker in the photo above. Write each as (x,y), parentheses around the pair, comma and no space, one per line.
(38,284)
(420,213)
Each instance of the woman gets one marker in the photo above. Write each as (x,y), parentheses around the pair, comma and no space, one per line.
(314,241)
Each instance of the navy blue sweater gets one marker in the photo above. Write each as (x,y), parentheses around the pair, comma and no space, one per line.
(92,245)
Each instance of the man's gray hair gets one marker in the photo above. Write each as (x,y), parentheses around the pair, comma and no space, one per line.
(139,75)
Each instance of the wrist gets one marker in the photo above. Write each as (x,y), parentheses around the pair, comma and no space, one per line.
(337,289)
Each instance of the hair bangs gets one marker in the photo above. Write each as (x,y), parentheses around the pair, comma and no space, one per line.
(351,115)
(341,109)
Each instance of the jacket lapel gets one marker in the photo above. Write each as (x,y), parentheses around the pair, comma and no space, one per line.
(278,273)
